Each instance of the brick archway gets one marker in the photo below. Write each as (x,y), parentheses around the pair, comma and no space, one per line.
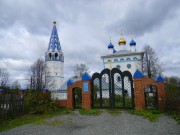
(86,94)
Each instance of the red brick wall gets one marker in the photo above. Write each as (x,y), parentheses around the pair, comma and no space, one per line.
(139,98)
(62,103)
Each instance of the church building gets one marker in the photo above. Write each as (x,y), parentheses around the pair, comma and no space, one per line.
(54,59)
(123,59)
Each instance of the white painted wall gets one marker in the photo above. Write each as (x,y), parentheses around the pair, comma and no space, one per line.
(56,73)
(135,64)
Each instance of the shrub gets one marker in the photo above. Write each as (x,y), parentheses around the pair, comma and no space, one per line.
(38,102)
(172,98)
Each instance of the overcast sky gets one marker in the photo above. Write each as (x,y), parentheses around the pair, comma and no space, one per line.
(84,28)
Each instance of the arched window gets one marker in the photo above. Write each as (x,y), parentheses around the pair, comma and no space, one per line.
(118,66)
(128,59)
(115,60)
(128,66)
(135,58)
(56,56)
(121,59)
(50,56)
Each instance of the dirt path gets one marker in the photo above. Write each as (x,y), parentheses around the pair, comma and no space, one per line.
(105,124)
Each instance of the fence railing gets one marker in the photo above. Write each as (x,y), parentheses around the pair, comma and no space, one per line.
(10,105)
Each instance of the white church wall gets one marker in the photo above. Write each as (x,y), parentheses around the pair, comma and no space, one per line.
(132,61)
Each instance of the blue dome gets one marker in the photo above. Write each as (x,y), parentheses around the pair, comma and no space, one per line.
(110,45)
(132,43)
(160,79)
(138,74)
(86,77)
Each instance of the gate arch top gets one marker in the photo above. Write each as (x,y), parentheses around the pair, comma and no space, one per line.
(85,85)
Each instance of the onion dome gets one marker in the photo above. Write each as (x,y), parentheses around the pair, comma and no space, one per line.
(110,45)
(122,41)
(132,43)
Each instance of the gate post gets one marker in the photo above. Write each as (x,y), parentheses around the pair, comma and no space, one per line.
(139,100)
(86,91)
(70,103)
(161,93)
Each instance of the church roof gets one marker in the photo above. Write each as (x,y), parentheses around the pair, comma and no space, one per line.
(54,43)
(122,53)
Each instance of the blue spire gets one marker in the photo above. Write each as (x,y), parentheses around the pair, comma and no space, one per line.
(54,52)
(54,43)
(132,43)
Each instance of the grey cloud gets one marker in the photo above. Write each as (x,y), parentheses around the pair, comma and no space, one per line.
(144,16)
(84,28)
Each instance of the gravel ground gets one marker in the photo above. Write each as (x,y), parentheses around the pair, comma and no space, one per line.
(105,124)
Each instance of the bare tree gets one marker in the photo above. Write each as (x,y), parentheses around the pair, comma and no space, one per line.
(79,70)
(38,76)
(16,85)
(173,80)
(151,64)
(4,78)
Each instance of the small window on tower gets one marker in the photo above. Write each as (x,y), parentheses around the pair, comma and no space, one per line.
(56,56)
(50,56)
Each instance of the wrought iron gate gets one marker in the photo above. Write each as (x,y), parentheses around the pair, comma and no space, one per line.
(151,97)
(112,89)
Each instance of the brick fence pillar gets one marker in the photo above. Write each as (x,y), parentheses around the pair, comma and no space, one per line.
(86,95)
(161,96)
(70,98)
(139,99)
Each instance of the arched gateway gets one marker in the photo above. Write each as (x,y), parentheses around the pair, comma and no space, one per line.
(115,89)
(112,89)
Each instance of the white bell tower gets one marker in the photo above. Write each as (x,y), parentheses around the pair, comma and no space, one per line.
(54,59)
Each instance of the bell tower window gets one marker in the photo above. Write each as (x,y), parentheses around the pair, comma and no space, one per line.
(50,56)
(56,56)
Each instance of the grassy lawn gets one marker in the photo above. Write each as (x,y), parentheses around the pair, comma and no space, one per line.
(33,119)
(151,115)
(93,112)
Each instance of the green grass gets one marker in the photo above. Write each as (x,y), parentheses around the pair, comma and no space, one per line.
(175,115)
(114,112)
(32,119)
(94,112)
(55,123)
(151,115)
